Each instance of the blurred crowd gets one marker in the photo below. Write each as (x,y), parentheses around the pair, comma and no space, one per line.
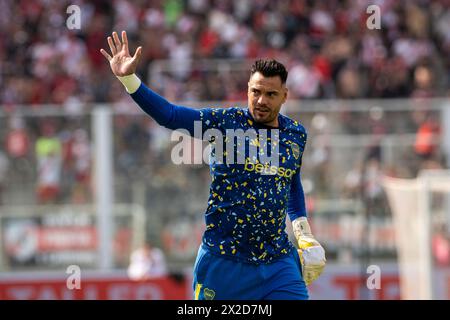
(327,46)
(45,160)
(50,160)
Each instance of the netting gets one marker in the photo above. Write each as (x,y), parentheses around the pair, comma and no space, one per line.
(418,206)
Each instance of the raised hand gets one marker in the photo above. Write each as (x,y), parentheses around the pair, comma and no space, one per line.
(121,62)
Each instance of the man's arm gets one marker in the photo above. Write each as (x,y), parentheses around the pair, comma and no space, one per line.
(312,254)
(165,113)
(123,66)
(296,202)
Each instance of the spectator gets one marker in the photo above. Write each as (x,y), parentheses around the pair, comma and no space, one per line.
(17,140)
(49,161)
(147,262)
(81,153)
(4,167)
(426,143)
(441,246)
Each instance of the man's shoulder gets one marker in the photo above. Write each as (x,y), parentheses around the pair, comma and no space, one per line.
(294,125)
(218,111)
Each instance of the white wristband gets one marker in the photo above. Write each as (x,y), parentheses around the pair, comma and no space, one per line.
(130,82)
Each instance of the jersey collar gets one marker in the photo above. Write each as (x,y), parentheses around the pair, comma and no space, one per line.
(281,123)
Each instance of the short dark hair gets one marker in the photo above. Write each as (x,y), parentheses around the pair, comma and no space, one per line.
(269,68)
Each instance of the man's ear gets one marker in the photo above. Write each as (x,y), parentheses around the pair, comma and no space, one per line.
(285,94)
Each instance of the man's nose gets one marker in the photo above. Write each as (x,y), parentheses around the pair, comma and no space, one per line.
(262,100)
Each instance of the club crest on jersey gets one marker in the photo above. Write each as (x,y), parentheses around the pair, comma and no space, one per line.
(209,294)
(295,150)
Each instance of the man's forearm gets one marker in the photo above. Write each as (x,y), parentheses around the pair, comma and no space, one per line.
(165,113)
(296,203)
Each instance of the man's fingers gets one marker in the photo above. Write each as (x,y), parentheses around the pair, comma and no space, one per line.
(117,41)
(125,41)
(111,46)
(105,54)
(137,54)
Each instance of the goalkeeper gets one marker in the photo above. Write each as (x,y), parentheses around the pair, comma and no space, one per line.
(245,251)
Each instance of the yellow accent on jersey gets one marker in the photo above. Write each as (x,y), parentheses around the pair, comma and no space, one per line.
(198,287)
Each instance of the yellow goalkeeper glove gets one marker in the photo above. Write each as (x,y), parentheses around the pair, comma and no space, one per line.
(312,254)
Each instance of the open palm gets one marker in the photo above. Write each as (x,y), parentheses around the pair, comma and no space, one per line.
(121,62)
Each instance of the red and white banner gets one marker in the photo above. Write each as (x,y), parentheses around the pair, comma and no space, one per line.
(338,282)
(42,242)
(113,287)
(350,282)
(66,238)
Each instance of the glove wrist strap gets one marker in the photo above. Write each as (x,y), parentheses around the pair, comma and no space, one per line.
(301,228)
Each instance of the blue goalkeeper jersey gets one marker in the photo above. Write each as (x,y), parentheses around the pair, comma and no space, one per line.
(248,201)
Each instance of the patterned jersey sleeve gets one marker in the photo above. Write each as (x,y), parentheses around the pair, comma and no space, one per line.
(212,118)
(296,203)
